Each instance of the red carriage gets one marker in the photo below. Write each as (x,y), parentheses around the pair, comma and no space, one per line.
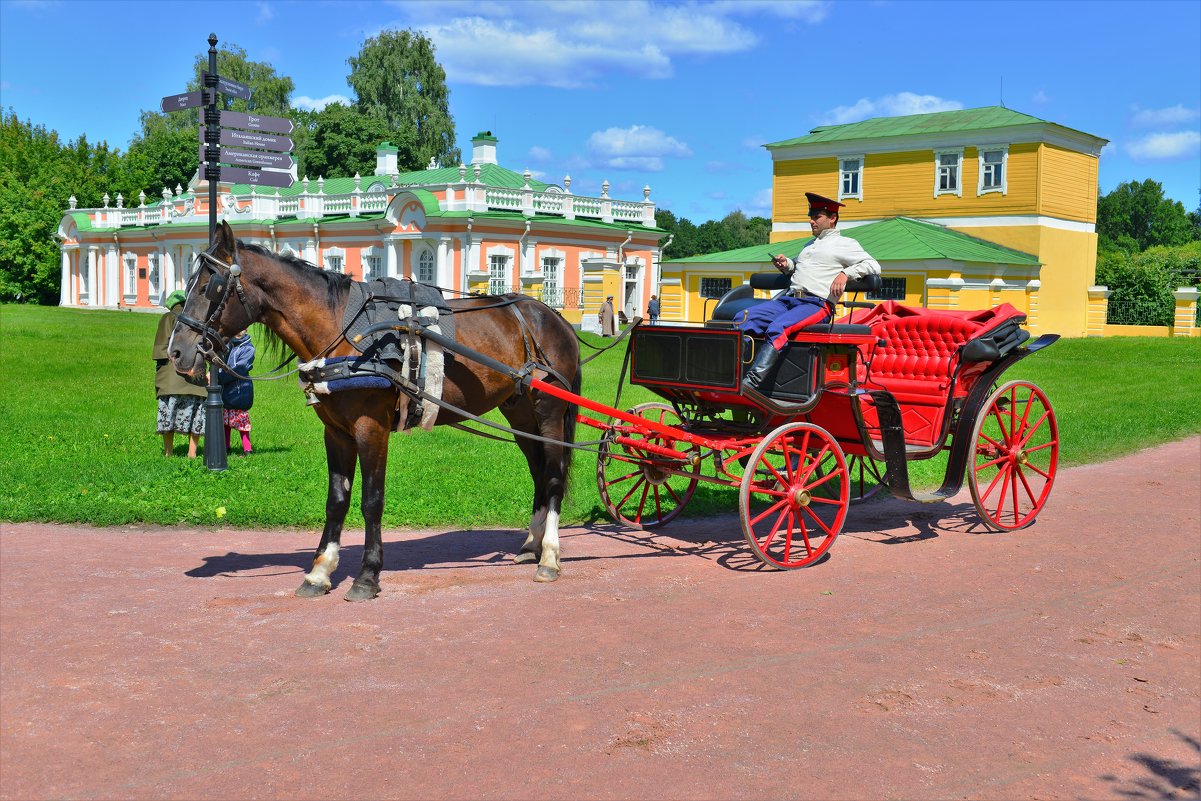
(852,404)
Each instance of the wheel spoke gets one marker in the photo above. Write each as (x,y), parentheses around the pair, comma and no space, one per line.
(642,501)
(626,477)
(768,510)
(641,480)
(818,520)
(1029,492)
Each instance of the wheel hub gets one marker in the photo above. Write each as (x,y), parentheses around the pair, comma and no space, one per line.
(800,496)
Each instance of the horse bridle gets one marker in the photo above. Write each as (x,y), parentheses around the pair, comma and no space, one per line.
(226,278)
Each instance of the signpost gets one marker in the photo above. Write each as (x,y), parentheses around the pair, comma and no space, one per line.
(219,149)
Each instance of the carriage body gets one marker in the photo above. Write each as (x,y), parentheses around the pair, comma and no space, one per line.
(852,404)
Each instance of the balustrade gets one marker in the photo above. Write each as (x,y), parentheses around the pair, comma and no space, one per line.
(465,194)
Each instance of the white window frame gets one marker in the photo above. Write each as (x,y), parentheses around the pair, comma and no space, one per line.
(498,273)
(335,260)
(552,280)
(981,189)
(843,173)
(129,262)
(154,277)
(371,263)
(938,172)
(420,261)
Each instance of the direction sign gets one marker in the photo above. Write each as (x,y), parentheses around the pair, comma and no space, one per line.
(186,100)
(239,175)
(256,158)
(232,88)
(236,138)
(256,122)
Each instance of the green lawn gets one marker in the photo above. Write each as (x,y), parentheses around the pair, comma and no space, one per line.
(77,441)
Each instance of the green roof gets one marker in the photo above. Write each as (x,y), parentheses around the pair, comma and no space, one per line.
(896,239)
(490,175)
(972,119)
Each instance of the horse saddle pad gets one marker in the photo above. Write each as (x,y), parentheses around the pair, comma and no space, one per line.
(381,301)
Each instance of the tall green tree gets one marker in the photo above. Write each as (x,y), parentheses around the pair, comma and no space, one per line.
(396,79)
(342,143)
(270,93)
(1136,216)
(38,176)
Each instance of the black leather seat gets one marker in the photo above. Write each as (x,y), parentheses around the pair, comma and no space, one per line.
(741,298)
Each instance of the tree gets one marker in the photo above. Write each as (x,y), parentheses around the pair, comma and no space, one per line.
(38,175)
(733,231)
(342,143)
(1136,216)
(269,93)
(396,79)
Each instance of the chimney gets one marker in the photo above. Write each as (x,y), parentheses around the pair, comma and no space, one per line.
(483,148)
(385,159)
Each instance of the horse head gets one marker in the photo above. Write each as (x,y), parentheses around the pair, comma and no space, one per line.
(215,310)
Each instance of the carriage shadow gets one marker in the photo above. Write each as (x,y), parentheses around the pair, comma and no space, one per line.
(719,539)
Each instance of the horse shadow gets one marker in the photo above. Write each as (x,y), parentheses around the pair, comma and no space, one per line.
(458,549)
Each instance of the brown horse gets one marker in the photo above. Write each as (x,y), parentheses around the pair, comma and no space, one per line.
(237,284)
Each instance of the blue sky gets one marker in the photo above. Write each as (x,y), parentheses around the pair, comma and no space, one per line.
(680,96)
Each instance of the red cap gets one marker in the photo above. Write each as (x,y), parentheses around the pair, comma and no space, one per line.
(819,203)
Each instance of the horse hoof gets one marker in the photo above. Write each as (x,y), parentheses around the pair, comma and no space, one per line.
(525,557)
(308,590)
(361,592)
(544,573)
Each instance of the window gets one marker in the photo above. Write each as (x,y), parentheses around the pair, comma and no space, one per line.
(992,170)
(851,181)
(152,260)
(371,267)
(334,263)
(131,275)
(715,287)
(890,289)
(947,172)
(552,292)
(498,275)
(425,266)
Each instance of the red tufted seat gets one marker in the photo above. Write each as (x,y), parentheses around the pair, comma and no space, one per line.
(916,358)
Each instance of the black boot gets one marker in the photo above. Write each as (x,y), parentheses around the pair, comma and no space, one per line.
(759,373)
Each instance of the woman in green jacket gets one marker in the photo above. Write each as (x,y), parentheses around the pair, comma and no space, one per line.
(180,403)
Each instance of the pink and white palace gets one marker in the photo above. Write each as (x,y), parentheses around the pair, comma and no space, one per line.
(479,228)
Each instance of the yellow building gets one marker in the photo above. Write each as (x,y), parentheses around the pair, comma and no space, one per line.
(991,174)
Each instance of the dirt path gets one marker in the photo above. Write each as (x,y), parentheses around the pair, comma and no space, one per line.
(924,660)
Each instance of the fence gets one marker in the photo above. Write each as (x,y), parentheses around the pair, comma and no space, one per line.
(555,297)
(1140,311)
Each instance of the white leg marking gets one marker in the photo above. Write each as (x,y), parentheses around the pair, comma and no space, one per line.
(550,541)
(323,566)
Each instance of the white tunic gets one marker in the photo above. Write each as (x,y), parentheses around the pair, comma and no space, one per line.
(817,265)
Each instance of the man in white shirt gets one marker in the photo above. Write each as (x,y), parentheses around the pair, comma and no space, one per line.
(819,276)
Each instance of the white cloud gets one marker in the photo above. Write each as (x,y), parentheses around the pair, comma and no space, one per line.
(540,154)
(1165,146)
(569,44)
(266,13)
(760,204)
(318,103)
(1040,98)
(638,147)
(897,105)
(1161,117)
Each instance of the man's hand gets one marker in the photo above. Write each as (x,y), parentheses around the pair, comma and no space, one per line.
(781,263)
(838,286)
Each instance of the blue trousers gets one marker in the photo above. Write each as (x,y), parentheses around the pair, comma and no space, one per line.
(780,317)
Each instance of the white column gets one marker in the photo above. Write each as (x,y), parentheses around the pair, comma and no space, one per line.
(64,286)
(92,293)
(112,276)
(169,281)
(391,260)
(443,262)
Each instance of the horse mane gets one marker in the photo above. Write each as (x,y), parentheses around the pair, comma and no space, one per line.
(336,286)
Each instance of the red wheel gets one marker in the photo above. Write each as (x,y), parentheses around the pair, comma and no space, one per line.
(794,496)
(1017,452)
(637,489)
